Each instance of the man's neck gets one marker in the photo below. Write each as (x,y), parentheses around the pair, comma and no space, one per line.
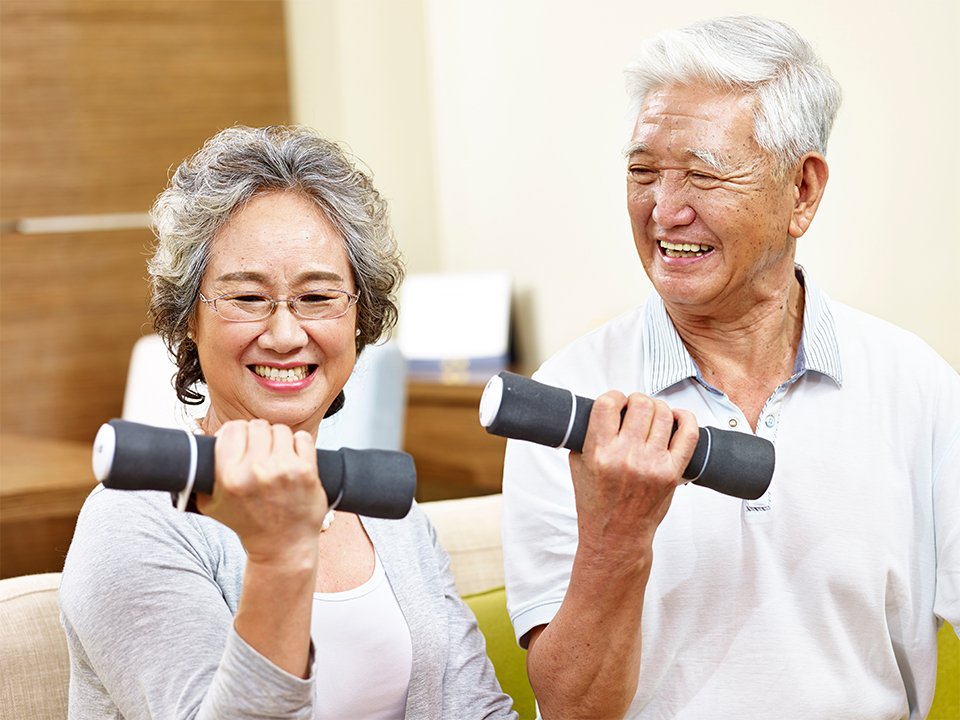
(749,356)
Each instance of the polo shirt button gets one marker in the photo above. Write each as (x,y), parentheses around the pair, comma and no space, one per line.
(732,422)
(771,421)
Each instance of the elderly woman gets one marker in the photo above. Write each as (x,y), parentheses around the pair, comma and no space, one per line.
(275,266)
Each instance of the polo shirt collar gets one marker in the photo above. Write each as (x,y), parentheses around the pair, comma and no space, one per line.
(667,361)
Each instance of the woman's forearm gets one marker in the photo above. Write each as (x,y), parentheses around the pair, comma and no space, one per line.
(273,615)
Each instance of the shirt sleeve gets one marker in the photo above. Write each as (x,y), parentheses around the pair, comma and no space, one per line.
(539,533)
(147,601)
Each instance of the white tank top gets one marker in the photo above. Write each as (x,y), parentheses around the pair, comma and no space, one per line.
(364,655)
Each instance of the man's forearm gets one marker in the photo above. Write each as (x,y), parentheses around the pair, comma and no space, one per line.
(586,662)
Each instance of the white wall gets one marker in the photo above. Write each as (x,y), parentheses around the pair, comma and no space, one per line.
(517,114)
(359,74)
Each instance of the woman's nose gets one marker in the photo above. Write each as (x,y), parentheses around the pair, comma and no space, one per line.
(284,330)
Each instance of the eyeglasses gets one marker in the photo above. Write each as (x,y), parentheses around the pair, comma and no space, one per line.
(253,306)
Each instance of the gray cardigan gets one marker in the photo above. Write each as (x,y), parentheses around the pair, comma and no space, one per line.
(147,602)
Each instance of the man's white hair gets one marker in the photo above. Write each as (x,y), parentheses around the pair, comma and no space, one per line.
(797,98)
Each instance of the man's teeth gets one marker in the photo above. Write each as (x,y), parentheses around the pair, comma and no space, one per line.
(684,249)
(288,375)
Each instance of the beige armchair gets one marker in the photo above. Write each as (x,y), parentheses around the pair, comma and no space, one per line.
(34,665)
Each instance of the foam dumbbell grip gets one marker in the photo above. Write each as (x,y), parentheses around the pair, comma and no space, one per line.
(133,456)
(517,407)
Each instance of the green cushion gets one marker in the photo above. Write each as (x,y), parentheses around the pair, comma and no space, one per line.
(509,660)
(946,701)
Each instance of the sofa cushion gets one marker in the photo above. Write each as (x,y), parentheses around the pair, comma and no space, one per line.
(946,701)
(469,530)
(34,661)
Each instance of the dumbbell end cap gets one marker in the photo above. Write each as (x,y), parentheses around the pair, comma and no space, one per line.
(490,401)
(104,447)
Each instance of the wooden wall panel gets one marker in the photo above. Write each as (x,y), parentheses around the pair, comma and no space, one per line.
(73,305)
(100,100)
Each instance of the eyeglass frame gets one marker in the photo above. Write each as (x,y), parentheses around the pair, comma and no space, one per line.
(212,303)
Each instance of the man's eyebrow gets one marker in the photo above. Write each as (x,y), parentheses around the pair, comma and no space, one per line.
(634,148)
(710,158)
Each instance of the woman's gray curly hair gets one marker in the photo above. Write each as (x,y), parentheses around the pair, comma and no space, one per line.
(208,189)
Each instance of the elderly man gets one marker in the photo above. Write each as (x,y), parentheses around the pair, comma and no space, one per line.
(639,597)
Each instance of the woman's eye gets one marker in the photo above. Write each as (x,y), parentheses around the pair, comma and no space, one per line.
(249,299)
(316,298)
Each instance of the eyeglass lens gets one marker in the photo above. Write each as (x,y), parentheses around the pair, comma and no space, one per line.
(314,305)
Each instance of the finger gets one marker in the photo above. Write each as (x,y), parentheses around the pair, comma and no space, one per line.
(604,424)
(684,440)
(305,447)
(282,442)
(638,417)
(287,459)
(661,424)
(230,447)
(259,439)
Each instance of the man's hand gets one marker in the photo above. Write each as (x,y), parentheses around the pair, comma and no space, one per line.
(586,662)
(625,477)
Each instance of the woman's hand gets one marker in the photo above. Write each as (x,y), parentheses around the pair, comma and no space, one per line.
(267,489)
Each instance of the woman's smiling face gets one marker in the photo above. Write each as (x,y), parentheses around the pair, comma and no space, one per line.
(283,369)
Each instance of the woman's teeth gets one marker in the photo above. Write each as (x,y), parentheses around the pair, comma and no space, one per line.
(678,250)
(276,374)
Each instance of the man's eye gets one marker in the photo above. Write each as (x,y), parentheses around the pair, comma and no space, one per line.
(641,174)
(704,180)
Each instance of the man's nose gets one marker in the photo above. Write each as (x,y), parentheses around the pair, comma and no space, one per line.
(671,202)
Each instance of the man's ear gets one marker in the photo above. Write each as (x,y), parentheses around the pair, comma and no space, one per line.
(809,181)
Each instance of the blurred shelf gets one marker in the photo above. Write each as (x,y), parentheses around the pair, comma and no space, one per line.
(43,484)
(454,454)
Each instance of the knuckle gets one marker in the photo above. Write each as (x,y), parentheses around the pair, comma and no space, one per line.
(611,400)
(639,401)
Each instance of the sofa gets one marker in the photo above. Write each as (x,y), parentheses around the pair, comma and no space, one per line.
(34,666)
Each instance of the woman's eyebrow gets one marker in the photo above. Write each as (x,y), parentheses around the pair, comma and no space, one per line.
(319,275)
(311,276)
(241,276)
